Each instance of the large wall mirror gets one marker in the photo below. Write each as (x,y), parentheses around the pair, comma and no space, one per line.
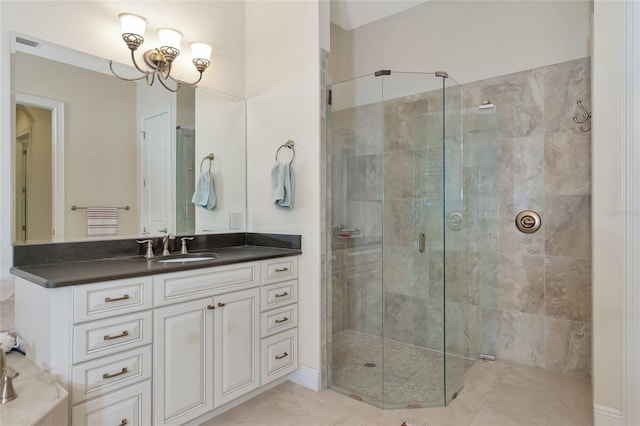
(100,158)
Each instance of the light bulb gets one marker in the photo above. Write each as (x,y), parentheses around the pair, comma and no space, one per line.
(169,37)
(132,24)
(200,50)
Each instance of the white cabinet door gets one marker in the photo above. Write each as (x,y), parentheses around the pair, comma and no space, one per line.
(183,361)
(236,345)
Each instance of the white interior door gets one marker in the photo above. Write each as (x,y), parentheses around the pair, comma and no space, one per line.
(156,172)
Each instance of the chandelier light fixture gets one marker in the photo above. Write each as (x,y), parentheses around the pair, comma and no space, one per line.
(159,60)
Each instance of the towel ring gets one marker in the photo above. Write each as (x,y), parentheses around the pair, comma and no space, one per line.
(287,144)
(209,157)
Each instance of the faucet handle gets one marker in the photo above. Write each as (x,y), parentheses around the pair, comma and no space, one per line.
(7,391)
(149,253)
(184,244)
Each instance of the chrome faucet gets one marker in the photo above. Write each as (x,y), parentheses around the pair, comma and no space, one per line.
(165,243)
(184,244)
(7,374)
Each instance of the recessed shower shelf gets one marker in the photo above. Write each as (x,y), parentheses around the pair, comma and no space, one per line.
(348,232)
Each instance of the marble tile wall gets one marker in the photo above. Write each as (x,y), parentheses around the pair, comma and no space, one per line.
(535,298)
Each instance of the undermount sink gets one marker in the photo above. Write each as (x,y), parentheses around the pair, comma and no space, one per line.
(184,258)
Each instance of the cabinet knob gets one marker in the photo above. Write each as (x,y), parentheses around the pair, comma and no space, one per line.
(284,355)
(124,422)
(220,304)
(285,319)
(282,269)
(281,294)
(210,307)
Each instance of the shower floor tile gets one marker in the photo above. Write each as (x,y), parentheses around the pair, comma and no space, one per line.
(412,375)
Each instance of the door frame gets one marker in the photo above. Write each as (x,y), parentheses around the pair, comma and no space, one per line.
(57,158)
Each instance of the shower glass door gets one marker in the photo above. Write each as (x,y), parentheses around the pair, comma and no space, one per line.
(395,163)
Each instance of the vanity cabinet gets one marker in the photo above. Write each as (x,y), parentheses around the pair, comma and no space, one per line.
(164,349)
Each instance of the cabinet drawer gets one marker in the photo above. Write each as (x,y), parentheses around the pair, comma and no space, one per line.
(279,355)
(95,378)
(275,295)
(102,300)
(279,269)
(198,283)
(95,339)
(130,406)
(278,320)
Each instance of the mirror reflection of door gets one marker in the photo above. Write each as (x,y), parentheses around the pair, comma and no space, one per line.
(156,173)
(33,174)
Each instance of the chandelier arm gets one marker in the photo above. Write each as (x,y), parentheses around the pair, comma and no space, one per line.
(184,83)
(162,81)
(153,77)
(124,78)
(133,59)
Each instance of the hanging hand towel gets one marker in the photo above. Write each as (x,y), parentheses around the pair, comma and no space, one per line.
(282,185)
(102,220)
(205,193)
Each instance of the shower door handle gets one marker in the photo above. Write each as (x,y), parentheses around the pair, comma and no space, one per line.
(421,242)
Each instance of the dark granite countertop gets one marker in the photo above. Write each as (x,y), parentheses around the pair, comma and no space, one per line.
(87,271)
(62,264)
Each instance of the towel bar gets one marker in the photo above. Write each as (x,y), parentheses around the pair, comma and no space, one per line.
(74,208)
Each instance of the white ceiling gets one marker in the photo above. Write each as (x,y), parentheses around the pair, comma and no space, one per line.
(350,14)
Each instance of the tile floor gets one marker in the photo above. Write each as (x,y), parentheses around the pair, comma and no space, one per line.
(496,393)
(413,375)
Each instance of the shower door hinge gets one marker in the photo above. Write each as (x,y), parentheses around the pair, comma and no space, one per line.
(144,134)
(421,242)
(329,97)
(486,357)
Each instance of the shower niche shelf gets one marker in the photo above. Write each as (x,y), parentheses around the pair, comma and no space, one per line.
(341,232)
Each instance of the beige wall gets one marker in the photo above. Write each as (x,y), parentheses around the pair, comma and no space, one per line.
(283,102)
(472,40)
(607,203)
(99,137)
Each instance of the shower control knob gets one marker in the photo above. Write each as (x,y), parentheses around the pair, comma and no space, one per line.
(528,221)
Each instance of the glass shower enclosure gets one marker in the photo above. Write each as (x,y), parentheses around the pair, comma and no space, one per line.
(396,239)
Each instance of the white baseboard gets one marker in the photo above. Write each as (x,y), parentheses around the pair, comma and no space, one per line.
(307,377)
(605,416)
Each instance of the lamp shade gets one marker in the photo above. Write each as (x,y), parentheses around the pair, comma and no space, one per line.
(200,50)
(132,24)
(169,37)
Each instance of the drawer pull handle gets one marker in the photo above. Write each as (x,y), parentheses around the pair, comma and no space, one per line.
(285,269)
(284,355)
(124,333)
(220,304)
(281,294)
(124,422)
(282,320)
(210,307)
(108,299)
(119,373)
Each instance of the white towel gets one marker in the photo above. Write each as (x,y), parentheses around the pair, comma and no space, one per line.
(102,220)
(205,193)
(282,185)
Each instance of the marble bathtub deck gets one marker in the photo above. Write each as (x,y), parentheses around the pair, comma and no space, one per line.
(496,393)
